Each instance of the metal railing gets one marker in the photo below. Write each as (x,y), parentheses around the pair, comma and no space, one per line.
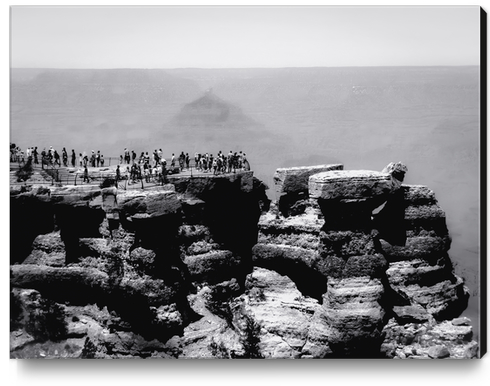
(60,176)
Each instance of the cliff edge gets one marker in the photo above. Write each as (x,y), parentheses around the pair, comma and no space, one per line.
(345,263)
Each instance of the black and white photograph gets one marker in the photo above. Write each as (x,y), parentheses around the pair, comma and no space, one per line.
(246,182)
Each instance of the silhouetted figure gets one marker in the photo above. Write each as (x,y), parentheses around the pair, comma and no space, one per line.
(85,175)
(57,158)
(118,174)
(35,154)
(64,156)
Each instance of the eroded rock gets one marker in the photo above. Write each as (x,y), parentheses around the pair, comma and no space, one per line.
(351,185)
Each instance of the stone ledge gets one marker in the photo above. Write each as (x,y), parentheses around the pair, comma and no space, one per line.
(350,185)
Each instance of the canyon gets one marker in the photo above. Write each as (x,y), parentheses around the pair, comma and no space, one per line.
(342,264)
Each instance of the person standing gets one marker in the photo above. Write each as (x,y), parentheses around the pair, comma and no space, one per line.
(57,158)
(73,158)
(35,153)
(155,157)
(85,174)
(64,156)
(118,174)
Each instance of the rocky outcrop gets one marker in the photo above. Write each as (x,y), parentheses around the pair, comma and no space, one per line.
(140,252)
(420,271)
(286,318)
(369,249)
(429,339)
(343,264)
(291,187)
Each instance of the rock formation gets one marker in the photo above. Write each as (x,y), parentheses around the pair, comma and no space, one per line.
(345,263)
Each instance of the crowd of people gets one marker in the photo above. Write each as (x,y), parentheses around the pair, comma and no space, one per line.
(155,167)
(51,157)
(222,163)
(148,167)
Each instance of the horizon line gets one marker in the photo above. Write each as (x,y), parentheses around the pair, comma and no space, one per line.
(236,68)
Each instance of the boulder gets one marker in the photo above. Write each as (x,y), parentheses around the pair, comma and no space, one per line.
(438,352)
(462,321)
(136,204)
(446,331)
(419,247)
(49,243)
(82,195)
(411,314)
(143,259)
(201,186)
(213,267)
(397,171)
(351,185)
(295,179)
(291,187)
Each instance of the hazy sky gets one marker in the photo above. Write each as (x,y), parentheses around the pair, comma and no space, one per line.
(216,37)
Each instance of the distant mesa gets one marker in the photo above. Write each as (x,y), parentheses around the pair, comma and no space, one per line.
(211,110)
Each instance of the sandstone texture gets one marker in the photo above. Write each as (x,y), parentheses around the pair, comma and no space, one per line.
(291,186)
(293,180)
(344,264)
(350,185)
(370,249)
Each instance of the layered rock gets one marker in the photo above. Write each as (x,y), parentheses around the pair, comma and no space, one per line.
(429,339)
(420,271)
(343,264)
(354,268)
(291,187)
(371,247)
(287,327)
(140,253)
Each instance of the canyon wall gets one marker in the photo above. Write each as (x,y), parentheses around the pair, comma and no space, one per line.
(345,263)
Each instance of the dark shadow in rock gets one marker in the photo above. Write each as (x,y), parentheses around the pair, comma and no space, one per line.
(29,217)
(308,281)
(390,220)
